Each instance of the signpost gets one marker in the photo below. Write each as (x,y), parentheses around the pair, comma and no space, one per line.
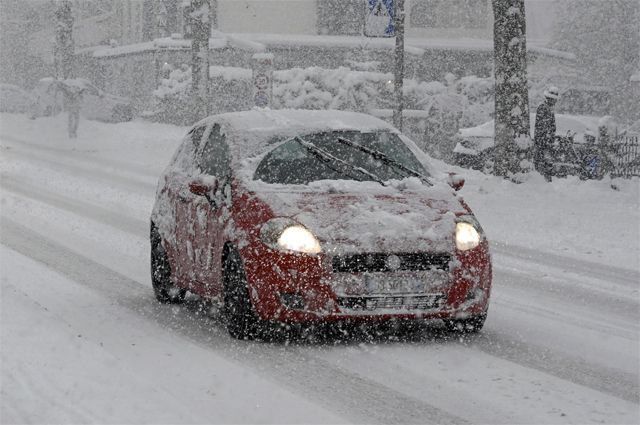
(262,79)
(399,68)
(379,16)
(385,18)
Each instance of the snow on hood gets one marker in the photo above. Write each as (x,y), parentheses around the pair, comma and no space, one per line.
(349,216)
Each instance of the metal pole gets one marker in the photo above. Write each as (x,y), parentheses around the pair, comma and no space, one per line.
(399,68)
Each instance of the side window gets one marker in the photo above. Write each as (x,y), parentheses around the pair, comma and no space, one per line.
(185,157)
(214,158)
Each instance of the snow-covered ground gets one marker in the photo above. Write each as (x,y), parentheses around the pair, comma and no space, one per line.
(83,341)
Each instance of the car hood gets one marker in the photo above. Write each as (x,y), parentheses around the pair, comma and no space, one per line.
(373,219)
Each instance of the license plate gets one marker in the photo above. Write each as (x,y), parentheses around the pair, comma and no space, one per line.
(388,283)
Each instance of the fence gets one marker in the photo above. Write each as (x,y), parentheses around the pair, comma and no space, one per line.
(625,157)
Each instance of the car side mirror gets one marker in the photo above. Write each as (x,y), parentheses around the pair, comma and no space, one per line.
(199,188)
(203,187)
(456,181)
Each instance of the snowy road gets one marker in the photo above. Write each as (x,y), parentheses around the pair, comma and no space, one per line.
(84,341)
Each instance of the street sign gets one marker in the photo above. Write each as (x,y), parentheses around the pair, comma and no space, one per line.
(262,64)
(379,18)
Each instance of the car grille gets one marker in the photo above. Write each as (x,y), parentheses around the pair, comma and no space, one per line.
(379,262)
(397,302)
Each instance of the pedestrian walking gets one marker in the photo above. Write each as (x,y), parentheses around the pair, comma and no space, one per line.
(73,91)
(544,133)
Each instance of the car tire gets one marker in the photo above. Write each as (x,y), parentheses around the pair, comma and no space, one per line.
(164,289)
(466,326)
(241,319)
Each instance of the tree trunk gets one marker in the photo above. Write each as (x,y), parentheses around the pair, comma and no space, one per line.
(512,140)
(63,51)
(399,68)
(171,18)
(200,17)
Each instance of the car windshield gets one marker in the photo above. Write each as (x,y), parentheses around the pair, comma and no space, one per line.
(366,156)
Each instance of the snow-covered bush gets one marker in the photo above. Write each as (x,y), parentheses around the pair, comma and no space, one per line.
(172,100)
(479,95)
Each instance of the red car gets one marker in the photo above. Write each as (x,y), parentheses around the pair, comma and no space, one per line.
(315,216)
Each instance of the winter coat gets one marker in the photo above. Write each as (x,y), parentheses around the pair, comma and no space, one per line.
(545,129)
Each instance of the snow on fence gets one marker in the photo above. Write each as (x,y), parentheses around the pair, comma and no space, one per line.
(625,157)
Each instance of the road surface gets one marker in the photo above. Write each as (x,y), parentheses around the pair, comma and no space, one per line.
(84,341)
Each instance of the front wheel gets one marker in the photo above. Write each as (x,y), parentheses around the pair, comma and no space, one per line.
(470,325)
(164,289)
(241,318)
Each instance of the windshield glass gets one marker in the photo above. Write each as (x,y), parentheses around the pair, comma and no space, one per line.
(293,163)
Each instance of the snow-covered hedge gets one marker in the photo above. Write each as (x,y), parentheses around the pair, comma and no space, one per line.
(172,101)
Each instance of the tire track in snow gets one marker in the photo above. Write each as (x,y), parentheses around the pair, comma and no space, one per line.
(75,206)
(576,370)
(350,395)
(602,271)
(65,154)
(144,185)
(556,290)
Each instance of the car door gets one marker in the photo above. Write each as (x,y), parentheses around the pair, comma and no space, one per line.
(180,177)
(214,163)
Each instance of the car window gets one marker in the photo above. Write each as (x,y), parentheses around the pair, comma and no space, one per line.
(214,157)
(184,159)
(293,163)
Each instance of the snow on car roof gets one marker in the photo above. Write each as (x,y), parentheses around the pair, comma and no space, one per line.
(252,130)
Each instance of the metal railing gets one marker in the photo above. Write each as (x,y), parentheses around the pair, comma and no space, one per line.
(624,155)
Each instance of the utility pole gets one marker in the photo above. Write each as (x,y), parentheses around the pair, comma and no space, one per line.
(399,62)
(63,50)
(511,93)
(200,22)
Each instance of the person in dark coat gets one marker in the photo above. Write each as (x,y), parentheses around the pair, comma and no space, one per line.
(544,133)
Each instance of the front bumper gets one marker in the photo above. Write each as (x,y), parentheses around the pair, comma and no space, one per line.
(301,288)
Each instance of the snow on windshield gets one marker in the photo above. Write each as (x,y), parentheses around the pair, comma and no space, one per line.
(323,156)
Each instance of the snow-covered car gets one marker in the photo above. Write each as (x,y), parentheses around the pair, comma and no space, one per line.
(14,99)
(96,104)
(475,148)
(315,216)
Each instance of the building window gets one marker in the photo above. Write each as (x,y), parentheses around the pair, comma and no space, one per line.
(468,14)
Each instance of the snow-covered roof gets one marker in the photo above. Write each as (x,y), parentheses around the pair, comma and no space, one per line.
(259,42)
(253,129)
(147,46)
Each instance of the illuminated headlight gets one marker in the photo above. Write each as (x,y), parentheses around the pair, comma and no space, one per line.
(286,234)
(468,233)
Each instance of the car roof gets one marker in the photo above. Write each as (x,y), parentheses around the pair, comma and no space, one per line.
(251,131)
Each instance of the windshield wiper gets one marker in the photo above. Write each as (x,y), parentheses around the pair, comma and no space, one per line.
(329,159)
(408,172)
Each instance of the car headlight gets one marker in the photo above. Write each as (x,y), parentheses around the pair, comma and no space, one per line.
(468,233)
(286,234)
